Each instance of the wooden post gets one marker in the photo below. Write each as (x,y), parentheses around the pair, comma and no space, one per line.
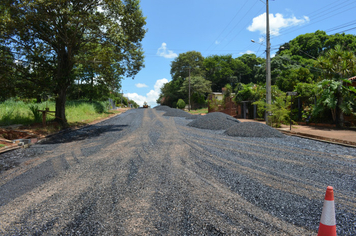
(44,114)
(44,118)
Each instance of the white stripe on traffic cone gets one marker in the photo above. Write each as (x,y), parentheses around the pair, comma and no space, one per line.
(327,226)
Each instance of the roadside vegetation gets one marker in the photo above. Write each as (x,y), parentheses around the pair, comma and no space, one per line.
(199,111)
(315,65)
(78,113)
(45,57)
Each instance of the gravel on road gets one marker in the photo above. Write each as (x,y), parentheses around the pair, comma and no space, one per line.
(176,112)
(253,129)
(214,121)
(142,173)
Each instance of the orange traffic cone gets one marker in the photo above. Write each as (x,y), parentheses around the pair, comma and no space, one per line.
(327,226)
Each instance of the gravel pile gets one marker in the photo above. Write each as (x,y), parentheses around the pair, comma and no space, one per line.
(253,129)
(180,113)
(162,108)
(175,112)
(214,121)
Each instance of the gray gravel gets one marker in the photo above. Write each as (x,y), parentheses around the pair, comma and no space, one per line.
(253,129)
(143,174)
(162,108)
(214,121)
(180,113)
(176,112)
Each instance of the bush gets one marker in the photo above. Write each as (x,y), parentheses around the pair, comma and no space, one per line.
(180,104)
(214,103)
(101,107)
(37,114)
(279,110)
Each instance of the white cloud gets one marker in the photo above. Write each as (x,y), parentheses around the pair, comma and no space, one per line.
(164,52)
(139,99)
(277,23)
(247,52)
(151,97)
(139,85)
(217,42)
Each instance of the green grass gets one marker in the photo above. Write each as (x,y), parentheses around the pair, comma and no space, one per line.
(199,111)
(85,112)
(2,145)
(18,112)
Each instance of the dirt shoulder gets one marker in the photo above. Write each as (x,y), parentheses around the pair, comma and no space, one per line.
(11,136)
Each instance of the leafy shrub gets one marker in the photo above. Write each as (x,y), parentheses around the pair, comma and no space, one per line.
(214,103)
(101,107)
(180,104)
(279,110)
(37,114)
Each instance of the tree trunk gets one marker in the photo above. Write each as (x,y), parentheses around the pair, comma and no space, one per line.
(64,80)
(61,107)
(339,114)
(91,89)
(333,114)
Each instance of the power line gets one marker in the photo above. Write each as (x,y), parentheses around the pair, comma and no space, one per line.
(241,29)
(329,7)
(292,30)
(237,24)
(227,26)
(240,20)
(345,30)
(342,26)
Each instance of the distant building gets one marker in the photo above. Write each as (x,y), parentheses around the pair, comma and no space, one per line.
(217,96)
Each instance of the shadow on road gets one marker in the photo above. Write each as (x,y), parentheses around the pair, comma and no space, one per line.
(82,134)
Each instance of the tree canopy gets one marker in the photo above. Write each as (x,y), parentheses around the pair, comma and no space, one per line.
(224,69)
(190,60)
(58,37)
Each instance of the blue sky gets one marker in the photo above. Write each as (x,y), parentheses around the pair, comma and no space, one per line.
(223,27)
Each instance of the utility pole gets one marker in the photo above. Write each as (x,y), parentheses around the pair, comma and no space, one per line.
(189,91)
(268,63)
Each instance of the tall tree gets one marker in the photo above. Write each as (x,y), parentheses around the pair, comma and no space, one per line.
(224,69)
(189,62)
(254,63)
(181,65)
(309,45)
(60,29)
(198,86)
(7,69)
(170,93)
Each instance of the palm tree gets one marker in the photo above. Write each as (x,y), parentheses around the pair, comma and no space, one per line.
(338,65)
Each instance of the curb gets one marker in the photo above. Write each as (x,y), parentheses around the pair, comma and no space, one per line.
(320,138)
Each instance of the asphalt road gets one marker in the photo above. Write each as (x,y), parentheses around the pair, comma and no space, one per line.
(141,173)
